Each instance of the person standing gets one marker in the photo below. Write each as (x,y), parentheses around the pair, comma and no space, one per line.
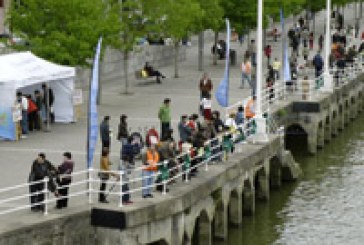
(184,131)
(39,104)
(105,174)
(250,108)
(253,51)
(123,133)
(318,63)
(164,116)
(48,110)
(310,40)
(246,70)
(276,67)
(239,117)
(150,160)
(40,169)
(105,133)
(205,86)
(321,42)
(24,113)
(268,53)
(305,52)
(206,104)
(64,180)
(32,113)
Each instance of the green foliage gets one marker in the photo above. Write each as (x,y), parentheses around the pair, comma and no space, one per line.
(63,31)
(132,20)
(181,18)
(212,17)
(241,13)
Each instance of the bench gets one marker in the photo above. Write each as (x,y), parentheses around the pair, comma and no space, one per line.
(139,75)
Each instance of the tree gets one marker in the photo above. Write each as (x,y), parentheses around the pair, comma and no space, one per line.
(63,31)
(181,17)
(212,19)
(133,20)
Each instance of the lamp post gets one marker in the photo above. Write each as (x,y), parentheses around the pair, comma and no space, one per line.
(261,132)
(328,87)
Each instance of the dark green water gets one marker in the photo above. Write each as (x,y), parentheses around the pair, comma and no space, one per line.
(326,206)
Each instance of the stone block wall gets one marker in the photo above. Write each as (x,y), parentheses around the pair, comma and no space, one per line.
(112,65)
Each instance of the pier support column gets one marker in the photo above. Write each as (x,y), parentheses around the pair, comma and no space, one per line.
(346,112)
(327,132)
(236,207)
(204,230)
(321,135)
(275,173)
(312,140)
(334,123)
(221,221)
(262,181)
(249,197)
(341,118)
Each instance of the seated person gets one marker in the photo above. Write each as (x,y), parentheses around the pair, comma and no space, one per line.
(152,72)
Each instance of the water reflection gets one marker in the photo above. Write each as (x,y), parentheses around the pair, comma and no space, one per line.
(324,207)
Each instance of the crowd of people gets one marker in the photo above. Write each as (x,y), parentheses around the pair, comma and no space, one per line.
(159,147)
(32,111)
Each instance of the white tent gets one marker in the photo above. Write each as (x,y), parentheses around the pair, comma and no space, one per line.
(26,72)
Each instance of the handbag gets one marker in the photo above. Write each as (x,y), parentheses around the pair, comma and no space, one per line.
(103,176)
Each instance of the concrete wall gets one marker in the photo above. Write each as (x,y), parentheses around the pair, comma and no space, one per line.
(200,211)
(112,66)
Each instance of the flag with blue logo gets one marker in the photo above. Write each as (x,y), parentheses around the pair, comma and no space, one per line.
(222,92)
(286,67)
(92,110)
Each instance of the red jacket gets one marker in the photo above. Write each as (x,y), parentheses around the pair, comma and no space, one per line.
(31,106)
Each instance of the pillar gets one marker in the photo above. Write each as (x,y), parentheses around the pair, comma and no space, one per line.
(177,229)
(327,132)
(236,207)
(321,135)
(221,221)
(341,118)
(334,123)
(275,173)
(346,112)
(312,140)
(249,200)
(263,185)
(204,230)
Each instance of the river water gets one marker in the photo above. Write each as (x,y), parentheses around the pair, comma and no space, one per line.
(326,206)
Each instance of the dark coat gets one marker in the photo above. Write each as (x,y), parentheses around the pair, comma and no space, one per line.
(123,130)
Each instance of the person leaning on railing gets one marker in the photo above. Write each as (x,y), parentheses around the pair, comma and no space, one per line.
(41,168)
(105,174)
(150,159)
(64,180)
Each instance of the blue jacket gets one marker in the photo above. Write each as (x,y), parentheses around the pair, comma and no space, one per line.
(184,131)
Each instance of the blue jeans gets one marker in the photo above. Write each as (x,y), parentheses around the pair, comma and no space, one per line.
(24,122)
(147,181)
(244,77)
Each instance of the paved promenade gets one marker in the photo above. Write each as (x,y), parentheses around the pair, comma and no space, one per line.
(141,107)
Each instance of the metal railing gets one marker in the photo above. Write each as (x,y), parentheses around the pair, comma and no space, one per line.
(16,198)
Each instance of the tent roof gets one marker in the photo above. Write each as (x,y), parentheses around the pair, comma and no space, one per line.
(24,69)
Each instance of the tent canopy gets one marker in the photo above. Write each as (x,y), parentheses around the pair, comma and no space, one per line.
(26,72)
(25,69)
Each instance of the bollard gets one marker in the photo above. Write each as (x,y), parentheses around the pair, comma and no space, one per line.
(45,193)
(121,188)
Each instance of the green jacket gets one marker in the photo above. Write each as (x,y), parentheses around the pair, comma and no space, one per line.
(164,114)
